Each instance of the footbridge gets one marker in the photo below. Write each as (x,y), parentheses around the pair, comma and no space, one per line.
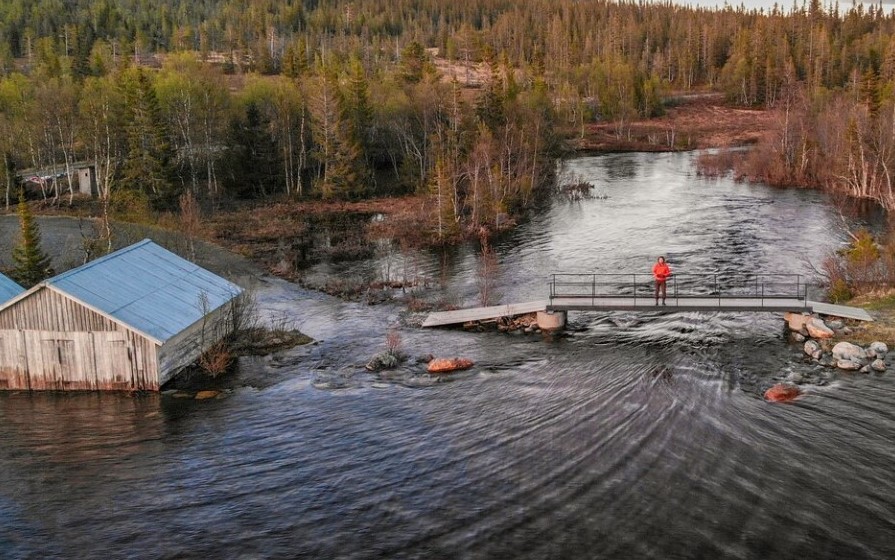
(753,293)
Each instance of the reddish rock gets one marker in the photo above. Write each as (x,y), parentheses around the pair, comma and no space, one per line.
(447,365)
(782,392)
(203,395)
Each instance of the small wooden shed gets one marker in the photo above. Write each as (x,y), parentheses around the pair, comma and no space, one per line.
(128,321)
(8,289)
(87,180)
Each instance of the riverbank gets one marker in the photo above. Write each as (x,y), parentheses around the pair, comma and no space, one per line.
(692,121)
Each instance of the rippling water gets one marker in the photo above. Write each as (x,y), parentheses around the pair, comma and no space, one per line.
(635,436)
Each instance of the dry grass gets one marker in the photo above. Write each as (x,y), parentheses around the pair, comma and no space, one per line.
(882,307)
(217,359)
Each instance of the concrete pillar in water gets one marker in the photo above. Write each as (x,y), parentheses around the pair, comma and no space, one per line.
(551,320)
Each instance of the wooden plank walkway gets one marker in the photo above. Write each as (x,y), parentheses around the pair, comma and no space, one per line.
(840,311)
(461,316)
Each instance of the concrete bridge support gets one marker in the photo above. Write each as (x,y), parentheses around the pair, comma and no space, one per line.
(551,320)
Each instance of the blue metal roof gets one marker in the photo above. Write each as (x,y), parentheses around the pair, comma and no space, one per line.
(148,288)
(8,289)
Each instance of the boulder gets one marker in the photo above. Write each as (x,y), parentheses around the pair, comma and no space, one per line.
(879,349)
(383,360)
(849,351)
(835,324)
(848,365)
(818,329)
(878,365)
(203,395)
(812,347)
(782,392)
(447,365)
(798,337)
(796,321)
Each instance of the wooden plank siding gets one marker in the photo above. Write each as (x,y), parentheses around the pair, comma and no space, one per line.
(51,342)
(184,348)
(49,310)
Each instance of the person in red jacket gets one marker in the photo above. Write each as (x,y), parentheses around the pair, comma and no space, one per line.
(661,272)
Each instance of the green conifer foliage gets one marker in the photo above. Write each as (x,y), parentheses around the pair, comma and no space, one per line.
(32,264)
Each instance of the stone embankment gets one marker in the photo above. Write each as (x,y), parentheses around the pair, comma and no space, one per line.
(819,344)
(520,324)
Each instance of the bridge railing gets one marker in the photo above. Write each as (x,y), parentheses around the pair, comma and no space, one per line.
(680,286)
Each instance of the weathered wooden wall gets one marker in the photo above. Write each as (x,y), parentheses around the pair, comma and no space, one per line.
(184,348)
(50,342)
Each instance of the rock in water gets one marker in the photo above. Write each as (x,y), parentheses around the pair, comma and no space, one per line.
(447,365)
(782,392)
(818,329)
(798,337)
(878,365)
(848,365)
(812,347)
(879,349)
(849,351)
(202,395)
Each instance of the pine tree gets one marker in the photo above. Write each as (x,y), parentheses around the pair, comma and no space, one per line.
(32,265)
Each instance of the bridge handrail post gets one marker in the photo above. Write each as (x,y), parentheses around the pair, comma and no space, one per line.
(593,288)
(634,280)
(717,288)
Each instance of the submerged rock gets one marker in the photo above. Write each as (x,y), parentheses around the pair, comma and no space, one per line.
(812,347)
(384,360)
(447,365)
(849,351)
(878,365)
(878,349)
(782,392)
(848,365)
(203,395)
(818,329)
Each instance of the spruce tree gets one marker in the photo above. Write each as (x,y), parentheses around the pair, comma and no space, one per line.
(32,265)
(148,165)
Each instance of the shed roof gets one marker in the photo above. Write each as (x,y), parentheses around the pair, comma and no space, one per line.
(8,289)
(147,288)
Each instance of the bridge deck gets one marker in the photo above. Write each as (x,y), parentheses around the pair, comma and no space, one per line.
(461,316)
(710,304)
(840,311)
(674,305)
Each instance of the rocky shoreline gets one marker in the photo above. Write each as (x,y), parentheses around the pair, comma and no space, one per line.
(819,344)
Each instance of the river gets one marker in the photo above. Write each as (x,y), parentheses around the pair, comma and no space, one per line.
(634,436)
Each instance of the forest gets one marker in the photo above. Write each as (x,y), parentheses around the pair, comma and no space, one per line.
(467,103)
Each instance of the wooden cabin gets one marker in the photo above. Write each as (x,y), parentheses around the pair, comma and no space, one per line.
(128,321)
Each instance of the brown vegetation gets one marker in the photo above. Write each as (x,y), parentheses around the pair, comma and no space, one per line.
(691,121)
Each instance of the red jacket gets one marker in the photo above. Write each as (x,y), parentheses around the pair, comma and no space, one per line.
(661,271)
